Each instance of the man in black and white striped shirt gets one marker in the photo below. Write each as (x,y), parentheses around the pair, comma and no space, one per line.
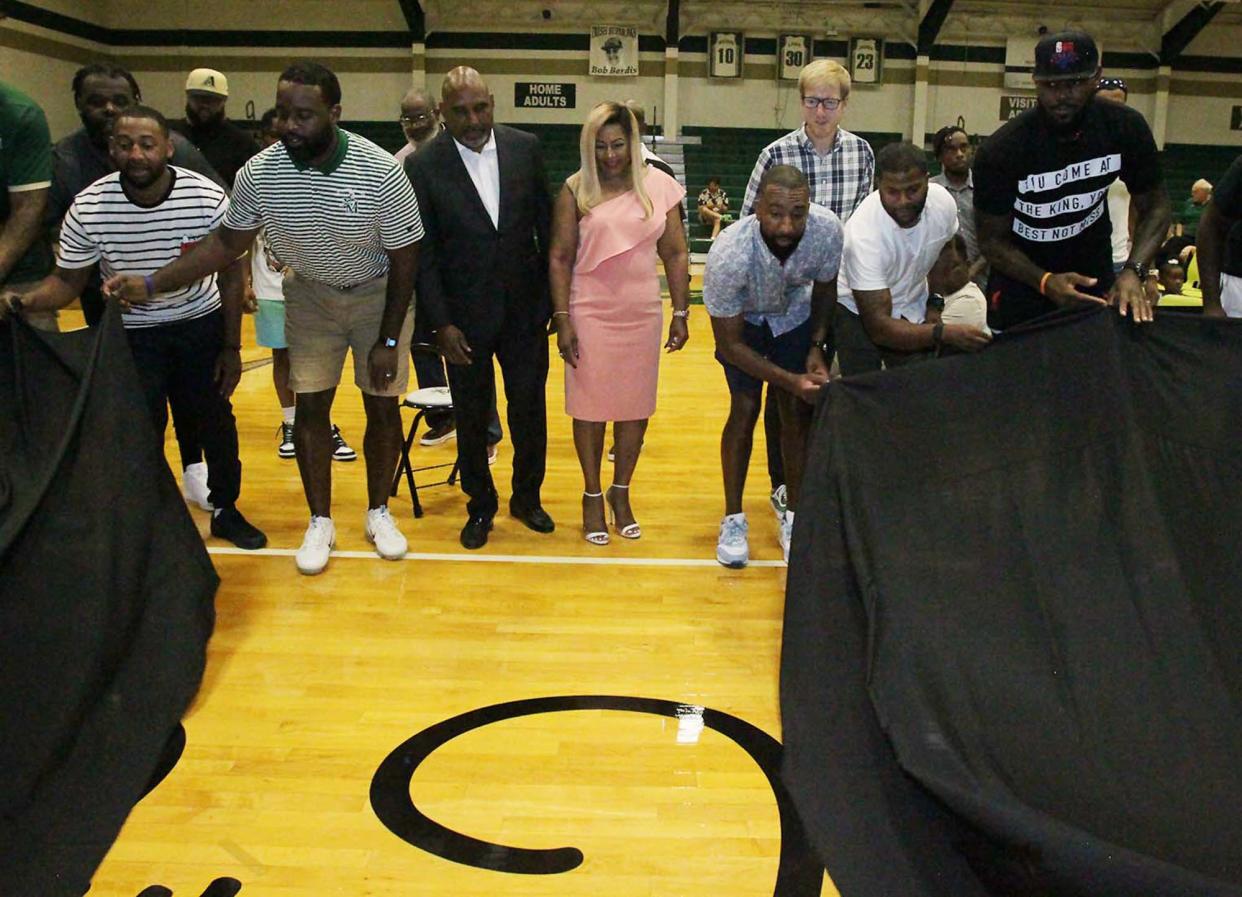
(340,213)
(186,340)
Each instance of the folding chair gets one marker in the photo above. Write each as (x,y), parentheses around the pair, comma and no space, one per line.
(433,398)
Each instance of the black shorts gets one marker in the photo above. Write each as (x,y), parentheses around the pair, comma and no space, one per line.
(787,351)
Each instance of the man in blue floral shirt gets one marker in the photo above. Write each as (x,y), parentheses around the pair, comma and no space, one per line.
(769,286)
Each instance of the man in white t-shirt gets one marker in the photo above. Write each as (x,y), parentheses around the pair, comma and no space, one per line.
(891,242)
(1115,90)
(186,340)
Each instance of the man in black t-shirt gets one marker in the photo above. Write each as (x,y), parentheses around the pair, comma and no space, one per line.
(1041,194)
(226,146)
(1220,247)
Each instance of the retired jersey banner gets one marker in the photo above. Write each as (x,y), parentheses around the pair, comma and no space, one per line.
(614,50)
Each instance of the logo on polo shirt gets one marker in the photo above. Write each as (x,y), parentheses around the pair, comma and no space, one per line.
(351,201)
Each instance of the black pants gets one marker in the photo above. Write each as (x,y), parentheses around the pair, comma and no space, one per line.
(856,354)
(92,309)
(523,361)
(176,365)
(429,370)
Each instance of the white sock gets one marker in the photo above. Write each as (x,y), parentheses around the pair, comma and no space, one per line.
(216,512)
(287,413)
(789,517)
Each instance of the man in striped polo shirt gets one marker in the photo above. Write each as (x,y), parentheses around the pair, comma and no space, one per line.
(340,213)
(185,340)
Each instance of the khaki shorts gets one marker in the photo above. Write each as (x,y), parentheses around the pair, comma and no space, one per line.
(322,323)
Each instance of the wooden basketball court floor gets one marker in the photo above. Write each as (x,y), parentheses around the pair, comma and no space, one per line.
(313,681)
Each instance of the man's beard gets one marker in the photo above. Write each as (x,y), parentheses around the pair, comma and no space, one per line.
(210,121)
(310,148)
(97,132)
(145,180)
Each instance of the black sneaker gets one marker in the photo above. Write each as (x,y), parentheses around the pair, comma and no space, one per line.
(286,449)
(231,526)
(340,448)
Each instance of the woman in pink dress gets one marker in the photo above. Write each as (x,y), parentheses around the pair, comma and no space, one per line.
(612,218)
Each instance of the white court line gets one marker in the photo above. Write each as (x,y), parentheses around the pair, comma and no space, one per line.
(504,558)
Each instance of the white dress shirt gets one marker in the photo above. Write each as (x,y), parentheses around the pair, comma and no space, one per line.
(484,169)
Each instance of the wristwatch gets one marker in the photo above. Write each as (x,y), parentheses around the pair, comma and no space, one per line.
(1137,267)
(935,300)
(823,346)
(390,343)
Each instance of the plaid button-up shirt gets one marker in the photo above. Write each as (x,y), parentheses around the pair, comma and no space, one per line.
(839,180)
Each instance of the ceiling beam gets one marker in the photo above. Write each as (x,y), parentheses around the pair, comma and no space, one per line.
(415,19)
(933,20)
(1178,38)
(672,24)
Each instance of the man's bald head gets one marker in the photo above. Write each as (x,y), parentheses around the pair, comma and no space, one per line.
(415,95)
(466,106)
(461,78)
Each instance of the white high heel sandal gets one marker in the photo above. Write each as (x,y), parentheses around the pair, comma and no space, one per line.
(599,537)
(630,530)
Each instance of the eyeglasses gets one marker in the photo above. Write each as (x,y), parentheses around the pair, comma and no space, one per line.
(414,119)
(829,103)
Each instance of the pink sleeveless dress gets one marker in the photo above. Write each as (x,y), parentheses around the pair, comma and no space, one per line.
(615,307)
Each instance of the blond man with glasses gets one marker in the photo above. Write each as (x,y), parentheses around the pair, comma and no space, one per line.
(839,167)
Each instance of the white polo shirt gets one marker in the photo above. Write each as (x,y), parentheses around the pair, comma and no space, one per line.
(880,254)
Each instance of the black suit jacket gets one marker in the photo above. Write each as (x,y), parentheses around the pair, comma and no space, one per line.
(472,274)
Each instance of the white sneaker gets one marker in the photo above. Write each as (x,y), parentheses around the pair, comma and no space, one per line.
(194,486)
(779,502)
(312,557)
(786,536)
(382,532)
(733,545)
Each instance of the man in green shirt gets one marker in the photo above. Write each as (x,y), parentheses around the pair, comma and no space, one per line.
(26,172)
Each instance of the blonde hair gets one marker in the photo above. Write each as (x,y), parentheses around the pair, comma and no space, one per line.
(584,183)
(825,73)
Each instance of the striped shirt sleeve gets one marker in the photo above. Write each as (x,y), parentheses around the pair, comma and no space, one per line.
(399,222)
(77,248)
(243,211)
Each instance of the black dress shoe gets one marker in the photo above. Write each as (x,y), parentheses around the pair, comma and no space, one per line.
(230,525)
(474,533)
(535,518)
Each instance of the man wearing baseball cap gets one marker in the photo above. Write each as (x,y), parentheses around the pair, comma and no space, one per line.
(1041,194)
(226,146)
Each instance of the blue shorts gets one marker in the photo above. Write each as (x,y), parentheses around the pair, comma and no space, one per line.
(788,351)
(269,324)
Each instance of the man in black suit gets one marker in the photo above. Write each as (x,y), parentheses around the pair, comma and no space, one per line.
(482,283)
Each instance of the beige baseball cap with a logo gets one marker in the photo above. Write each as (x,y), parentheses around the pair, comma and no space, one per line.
(207,81)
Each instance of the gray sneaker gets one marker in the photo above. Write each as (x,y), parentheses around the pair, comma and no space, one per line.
(779,502)
(733,544)
(786,537)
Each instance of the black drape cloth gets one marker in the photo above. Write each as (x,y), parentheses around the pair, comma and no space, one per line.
(1012,655)
(106,603)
